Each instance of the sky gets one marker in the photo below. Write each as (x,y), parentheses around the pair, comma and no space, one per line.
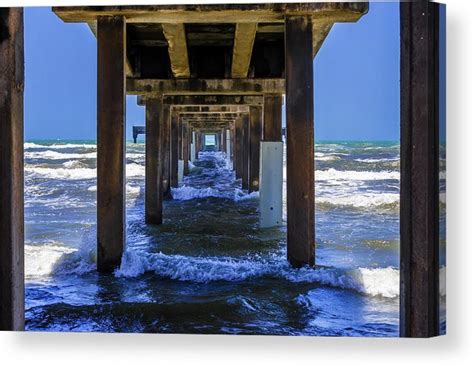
(356,79)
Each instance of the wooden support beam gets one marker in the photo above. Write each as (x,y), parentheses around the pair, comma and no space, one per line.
(209,100)
(321,29)
(186,148)
(215,115)
(224,140)
(198,143)
(300,141)
(239,124)
(166,149)
(243,47)
(217,13)
(255,136)
(205,86)
(177,48)
(153,162)
(245,151)
(174,150)
(419,195)
(110,146)
(180,138)
(12,273)
(211,109)
(272,118)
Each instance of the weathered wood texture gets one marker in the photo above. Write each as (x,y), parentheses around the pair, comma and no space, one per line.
(180,138)
(245,151)
(166,122)
(204,100)
(272,118)
(153,162)
(255,136)
(238,147)
(419,209)
(150,87)
(177,49)
(174,150)
(224,141)
(216,13)
(300,141)
(110,146)
(12,291)
(186,148)
(243,47)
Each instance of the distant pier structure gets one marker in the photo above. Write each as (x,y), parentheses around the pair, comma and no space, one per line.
(223,69)
(137,130)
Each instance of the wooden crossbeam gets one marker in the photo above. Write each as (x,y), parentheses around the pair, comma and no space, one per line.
(177,49)
(208,100)
(212,108)
(205,86)
(209,114)
(216,13)
(243,47)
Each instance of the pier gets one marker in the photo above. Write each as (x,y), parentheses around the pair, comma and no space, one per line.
(225,70)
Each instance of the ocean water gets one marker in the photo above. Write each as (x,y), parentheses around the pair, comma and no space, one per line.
(209,268)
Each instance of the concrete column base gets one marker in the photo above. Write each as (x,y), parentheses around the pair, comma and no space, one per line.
(180,170)
(271,183)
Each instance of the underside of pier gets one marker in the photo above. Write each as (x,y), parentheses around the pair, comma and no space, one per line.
(223,70)
(210,69)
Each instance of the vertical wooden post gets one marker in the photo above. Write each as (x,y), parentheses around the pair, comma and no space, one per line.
(272,118)
(198,144)
(180,138)
(174,150)
(234,165)
(186,148)
(245,151)
(419,210)
(239,124)
(12,276)
(110,146)
(300,140)
(255,136)
(218,142)
(153,162)
(166,149)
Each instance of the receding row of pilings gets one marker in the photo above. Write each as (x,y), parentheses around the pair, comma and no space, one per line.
(175,136)
(419,304)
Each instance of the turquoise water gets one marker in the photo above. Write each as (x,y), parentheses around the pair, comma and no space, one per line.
(209,268)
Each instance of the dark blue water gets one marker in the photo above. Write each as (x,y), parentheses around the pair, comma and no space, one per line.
(209,268)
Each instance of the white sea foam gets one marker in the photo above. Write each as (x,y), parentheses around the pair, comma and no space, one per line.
(362,200)
(42,260)
(32,171)
(31,145)
(185,193)
(131,191)
(333,174)
(369,281)
(382,160)
(56,155)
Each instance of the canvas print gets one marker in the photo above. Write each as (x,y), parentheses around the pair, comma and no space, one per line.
(260,168)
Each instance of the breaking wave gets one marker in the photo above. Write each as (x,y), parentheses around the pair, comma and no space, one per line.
(363,200)
(185,193)
(382,282)
(32,171)
(32,145)
(333,174)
